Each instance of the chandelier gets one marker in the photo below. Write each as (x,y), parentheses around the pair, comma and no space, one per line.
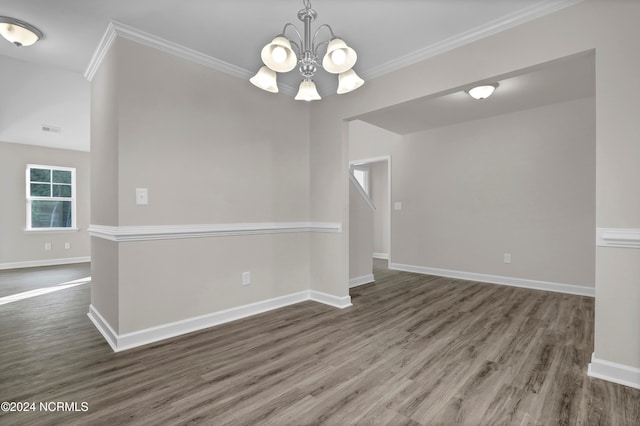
(283,54)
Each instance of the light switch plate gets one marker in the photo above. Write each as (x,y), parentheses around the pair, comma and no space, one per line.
(142,196)
(397,205)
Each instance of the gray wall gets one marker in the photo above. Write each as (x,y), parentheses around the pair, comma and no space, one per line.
(19,248)
(520,183)
(211,149)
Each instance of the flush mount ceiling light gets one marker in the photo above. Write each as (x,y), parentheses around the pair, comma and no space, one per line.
(282,55)
(482,92)
(18,32)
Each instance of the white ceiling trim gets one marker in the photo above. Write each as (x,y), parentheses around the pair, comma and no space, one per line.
(533,12)
(100,52)
(125,31)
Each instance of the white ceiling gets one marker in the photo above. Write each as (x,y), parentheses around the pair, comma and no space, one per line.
(234,31)
(387,34)
(563,80)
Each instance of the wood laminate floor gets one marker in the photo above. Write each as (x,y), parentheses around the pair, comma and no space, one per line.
(413,349)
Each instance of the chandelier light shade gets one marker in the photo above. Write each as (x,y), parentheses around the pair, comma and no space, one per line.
(279,56)
(339,57)
(348,81)
(282,55)
(266,80)
(18,32)
(307,92)
(482,92)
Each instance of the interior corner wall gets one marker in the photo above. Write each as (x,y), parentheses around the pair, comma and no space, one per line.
(608,27)
(210,149)
(19,248)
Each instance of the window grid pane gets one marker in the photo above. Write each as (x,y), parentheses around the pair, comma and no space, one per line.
(40,175)
(40,190)
(62,191)
(62,176)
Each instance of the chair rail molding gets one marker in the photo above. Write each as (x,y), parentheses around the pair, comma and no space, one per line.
(170,232)
(618,237)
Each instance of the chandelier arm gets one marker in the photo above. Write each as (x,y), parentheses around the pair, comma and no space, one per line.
(290,25)
(315,36)
(294,44)
(317,48)
(320,28)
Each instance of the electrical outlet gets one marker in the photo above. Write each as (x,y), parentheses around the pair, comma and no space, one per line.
(47,246)
(246,278)
(67,246)
(507,258)
(397,205)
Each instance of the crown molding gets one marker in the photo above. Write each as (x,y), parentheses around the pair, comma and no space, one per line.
(101,51)
(509,21)
(119,29)
(130,33)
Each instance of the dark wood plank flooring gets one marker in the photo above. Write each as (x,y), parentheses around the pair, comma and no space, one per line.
(412,350)
(13,281)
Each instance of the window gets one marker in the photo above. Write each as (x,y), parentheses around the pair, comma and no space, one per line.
(51,197)
(362,176)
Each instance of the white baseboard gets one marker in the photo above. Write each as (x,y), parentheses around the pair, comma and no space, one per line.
(614,372)
(384,256)
(365,279)
(47,262)
(104,328)
(329,299)
(121,342)
(496,279)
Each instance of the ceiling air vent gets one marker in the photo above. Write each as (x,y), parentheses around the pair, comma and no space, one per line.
(51,129)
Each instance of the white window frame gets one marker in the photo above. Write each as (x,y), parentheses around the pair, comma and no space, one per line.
(29,198)
(365,176)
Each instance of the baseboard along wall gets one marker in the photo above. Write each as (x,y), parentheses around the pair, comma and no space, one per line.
(497,279)
(46,262)
(614,372)
(365,279)
(122,342)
